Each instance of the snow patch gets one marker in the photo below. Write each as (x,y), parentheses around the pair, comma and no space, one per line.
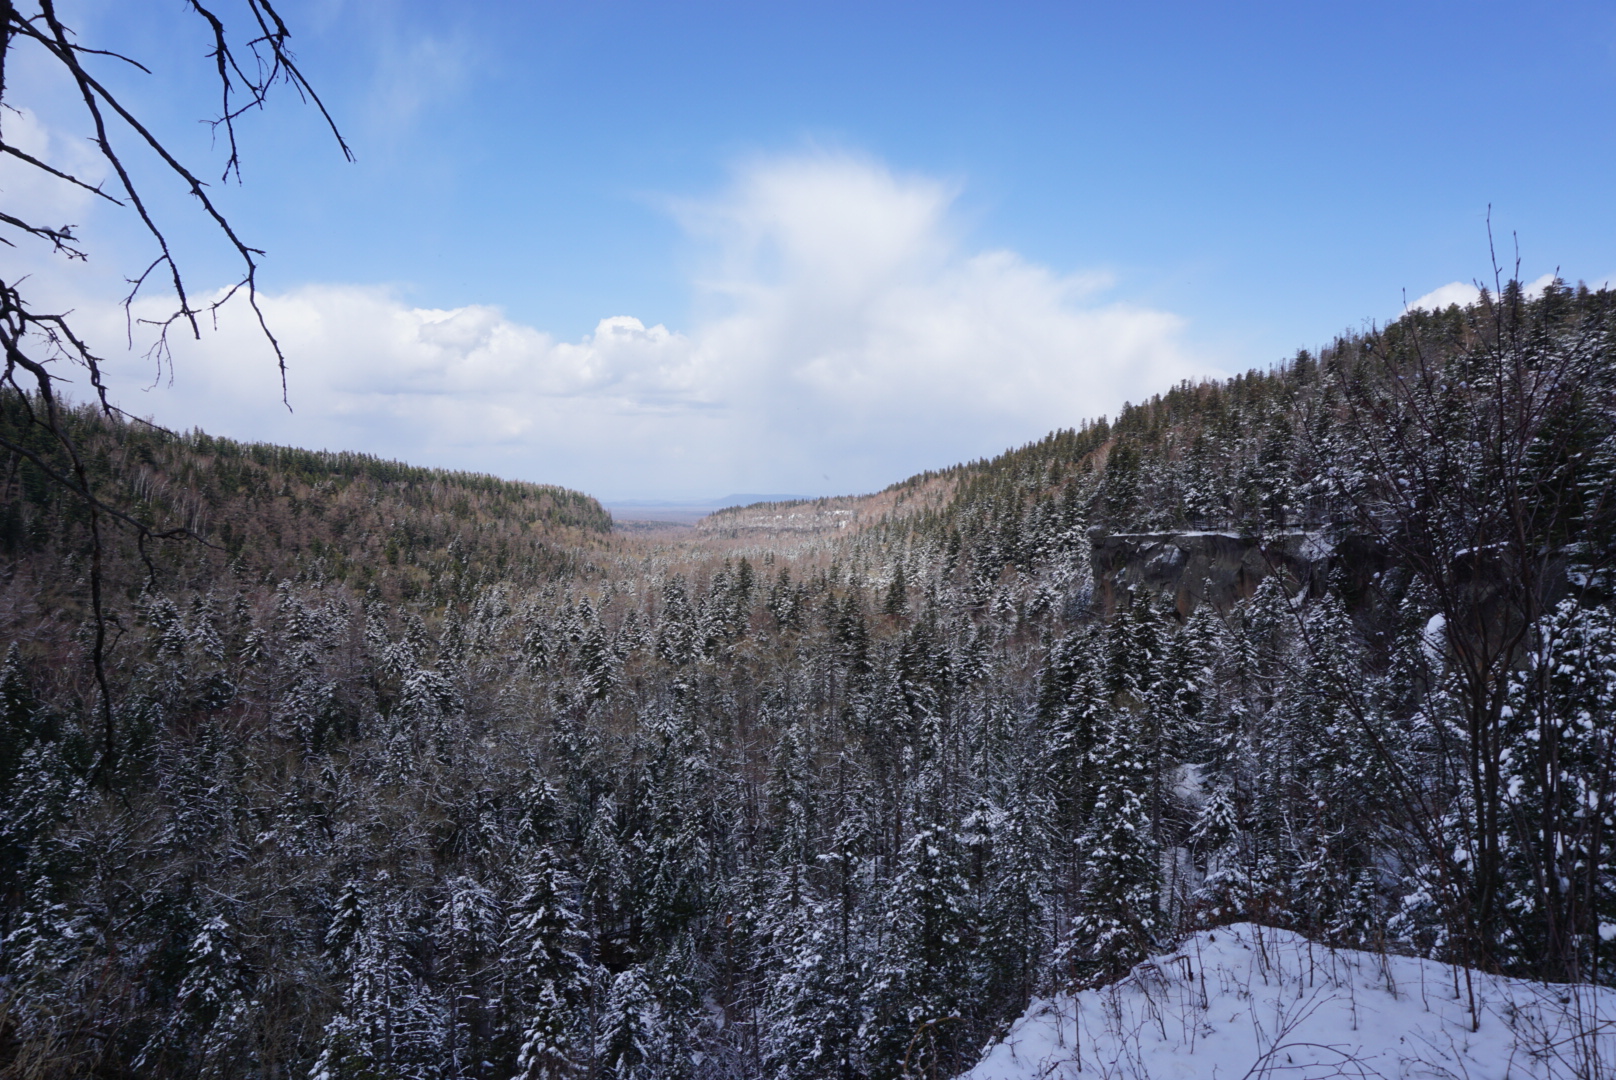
(1190,785)
(1248,1001)
(1435,639)
(1317,546)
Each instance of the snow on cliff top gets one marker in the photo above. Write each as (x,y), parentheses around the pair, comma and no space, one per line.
(1246,1001)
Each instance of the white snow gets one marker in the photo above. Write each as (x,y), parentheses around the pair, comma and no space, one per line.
(1253,1002)
(1189,785)
(1317,546)
(1435,639)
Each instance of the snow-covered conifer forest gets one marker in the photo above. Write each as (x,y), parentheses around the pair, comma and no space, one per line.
(398,773)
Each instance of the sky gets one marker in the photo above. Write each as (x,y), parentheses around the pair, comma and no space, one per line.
(680,250)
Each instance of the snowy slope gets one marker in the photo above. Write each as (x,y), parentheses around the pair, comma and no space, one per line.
(1249,1001)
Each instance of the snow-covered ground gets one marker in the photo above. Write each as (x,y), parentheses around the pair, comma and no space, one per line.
(1246,1001)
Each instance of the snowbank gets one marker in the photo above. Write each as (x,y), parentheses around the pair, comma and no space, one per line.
(1246,1001)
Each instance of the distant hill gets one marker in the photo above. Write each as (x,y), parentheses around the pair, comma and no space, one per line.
(279,511)
(684,511)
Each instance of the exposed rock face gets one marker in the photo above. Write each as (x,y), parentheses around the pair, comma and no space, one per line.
(817,518)
(1219,568)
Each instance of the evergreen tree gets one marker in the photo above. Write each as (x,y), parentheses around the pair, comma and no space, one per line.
(1559,769)
(676,634)
(1116,921)
(897,600)
(632,1035)
(549,978)
(467,938)
(209,1031)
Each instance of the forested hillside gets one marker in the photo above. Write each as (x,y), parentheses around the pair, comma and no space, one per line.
(410,774)
(279,511)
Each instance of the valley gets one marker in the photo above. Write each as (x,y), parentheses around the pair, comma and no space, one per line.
(367,770)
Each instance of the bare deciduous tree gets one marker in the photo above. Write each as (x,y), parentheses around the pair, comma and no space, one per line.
(40,343)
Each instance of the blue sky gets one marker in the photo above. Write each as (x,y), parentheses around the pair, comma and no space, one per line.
(852,240)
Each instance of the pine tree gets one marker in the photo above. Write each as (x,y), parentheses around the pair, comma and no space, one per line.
(389,1022)
(1011,910)
(920,977)
(897,600)
(630,1046)
(676,633)
(209,1031)
(466,939)
(813,1002)
(548,977)
(1116,918)
(21,722)
(792,804)
(1559,774)
(547,1050)
(598,661)
(675,830)
(785,602)
(1338,786)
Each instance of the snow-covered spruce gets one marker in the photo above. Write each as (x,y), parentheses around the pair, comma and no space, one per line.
(1247,1001)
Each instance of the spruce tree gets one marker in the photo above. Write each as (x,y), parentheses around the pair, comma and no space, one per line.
(632,1036)
(547,975)
(1116,919)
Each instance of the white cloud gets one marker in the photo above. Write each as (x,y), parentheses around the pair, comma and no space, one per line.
(850,339)
(1464,294)
(1440,299)
(34,195)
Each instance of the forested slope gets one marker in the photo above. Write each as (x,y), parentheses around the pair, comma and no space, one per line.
(538,800)
(278,511)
